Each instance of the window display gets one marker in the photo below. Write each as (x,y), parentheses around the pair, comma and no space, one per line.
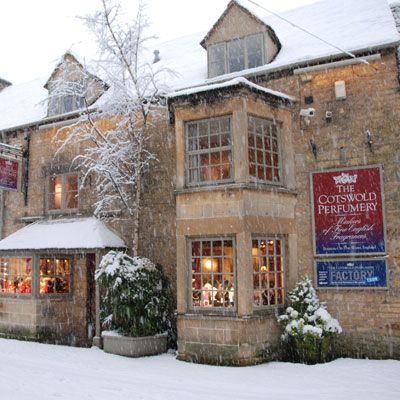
(55,274)
(268,274)
(16,275)
(212,263)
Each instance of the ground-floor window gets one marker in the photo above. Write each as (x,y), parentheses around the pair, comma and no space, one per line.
(268,273)
(16,275)
(213,272)
(55,275)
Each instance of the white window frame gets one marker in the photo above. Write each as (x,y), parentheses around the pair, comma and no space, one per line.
(63,207)
(226,53)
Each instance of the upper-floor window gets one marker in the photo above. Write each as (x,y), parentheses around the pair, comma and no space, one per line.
(264,150)
(209,151)
(236,55)
(62,104)
(63,192)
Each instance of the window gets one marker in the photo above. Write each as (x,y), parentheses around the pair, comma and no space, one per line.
(61,104)
(209,151)
(264,150)
(236,55)
(212,263)
(55,275)
(268,275)
(63,192)
(16,275)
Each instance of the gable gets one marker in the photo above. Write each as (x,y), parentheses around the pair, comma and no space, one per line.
(237,22)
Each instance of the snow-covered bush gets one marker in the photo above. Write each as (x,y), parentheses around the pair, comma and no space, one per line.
(308,328)
(135,295)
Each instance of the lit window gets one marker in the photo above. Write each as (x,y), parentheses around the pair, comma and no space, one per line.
(268,275)
(264,151)
(209,151)
(63,192)
(16,275)
(236,55)
(55,275)
(212,263)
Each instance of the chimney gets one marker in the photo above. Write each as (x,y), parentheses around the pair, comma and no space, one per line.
(4,84)
(396,13)
(156,56)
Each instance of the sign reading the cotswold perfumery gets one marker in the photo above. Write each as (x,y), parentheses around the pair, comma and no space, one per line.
(347,210)
(351,274)
(8,174)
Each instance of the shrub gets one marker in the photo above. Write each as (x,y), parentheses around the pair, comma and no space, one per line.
(308,328)
(136,298)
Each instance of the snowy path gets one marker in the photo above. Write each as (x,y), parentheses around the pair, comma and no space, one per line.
(30,371)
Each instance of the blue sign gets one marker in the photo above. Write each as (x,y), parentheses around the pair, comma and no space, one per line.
(352,274)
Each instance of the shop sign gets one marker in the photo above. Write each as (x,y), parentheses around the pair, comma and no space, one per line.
(9,173)
(347,210)
(370,273)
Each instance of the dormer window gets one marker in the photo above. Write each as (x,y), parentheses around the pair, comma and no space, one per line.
(236,55)
(65,103)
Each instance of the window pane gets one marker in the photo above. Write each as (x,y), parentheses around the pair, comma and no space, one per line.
(236,55)
(212,273)
(216,54)
(268,275)
(16,275)
(71,191)
(215,163)
(264,163)
(55,275)
(55,192)
(254,46)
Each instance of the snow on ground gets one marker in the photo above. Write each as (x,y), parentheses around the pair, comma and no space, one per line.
(37,371)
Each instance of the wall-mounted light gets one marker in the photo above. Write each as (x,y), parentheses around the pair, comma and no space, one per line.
(328,116)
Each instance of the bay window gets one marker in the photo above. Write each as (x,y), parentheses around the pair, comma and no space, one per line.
(213,273)
(264,150)
(268,274)
(209,151)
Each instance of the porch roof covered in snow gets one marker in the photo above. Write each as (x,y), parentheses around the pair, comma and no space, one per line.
(67,234)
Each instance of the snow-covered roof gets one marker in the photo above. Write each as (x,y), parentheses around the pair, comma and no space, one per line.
(74,233)
(350,25)
(231,83)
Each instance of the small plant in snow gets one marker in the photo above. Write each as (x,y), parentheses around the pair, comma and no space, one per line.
(308,328)
(136,297)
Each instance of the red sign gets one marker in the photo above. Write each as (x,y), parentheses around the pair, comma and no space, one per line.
(347,207)
(9,173)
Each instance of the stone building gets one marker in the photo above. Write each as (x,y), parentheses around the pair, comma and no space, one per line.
(278,157)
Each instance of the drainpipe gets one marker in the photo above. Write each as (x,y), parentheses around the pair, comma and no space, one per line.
(97,340)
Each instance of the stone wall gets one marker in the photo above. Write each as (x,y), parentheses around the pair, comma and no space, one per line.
(370,318)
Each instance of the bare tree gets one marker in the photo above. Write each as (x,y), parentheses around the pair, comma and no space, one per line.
(115,130)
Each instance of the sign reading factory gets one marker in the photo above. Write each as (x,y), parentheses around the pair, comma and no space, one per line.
(350,274)
(347,212)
